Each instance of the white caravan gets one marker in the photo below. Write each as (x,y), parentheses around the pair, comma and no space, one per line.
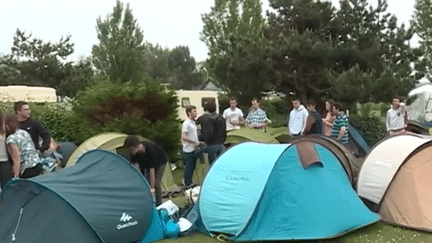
(13,93)
(420,109)
(196,98)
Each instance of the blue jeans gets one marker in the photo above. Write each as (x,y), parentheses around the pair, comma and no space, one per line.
(214,151)
(190,160)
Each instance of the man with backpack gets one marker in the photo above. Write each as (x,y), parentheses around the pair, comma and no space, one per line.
(213,131)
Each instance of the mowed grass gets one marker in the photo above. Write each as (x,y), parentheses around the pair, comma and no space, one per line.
(379,232)
(376,233)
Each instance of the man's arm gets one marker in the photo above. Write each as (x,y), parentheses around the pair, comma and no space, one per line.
(309,123)
(290,122)
(46,138)
(305,116)
(265,121)
(341,133)
(247,120)
(405,114)
(152,177)
(16,159)
(186,139)
(241,118)
(388,121)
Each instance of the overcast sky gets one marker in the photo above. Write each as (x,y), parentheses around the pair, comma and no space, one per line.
(169,23)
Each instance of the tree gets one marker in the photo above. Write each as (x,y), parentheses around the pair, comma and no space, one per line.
(422,22)
(356,53)
(120,53)
(184,68)
(79,76)
(233,32)
(157,63)
(375,58)
(302,45)
(39,62)
(36,62)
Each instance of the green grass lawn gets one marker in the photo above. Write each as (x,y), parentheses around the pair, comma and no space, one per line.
(378,232)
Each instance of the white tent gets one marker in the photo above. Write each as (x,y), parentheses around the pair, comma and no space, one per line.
(382,162)
(396,177)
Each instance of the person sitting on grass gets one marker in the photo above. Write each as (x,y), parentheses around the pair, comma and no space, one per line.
(26,161)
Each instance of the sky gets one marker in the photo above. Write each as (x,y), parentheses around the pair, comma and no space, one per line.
(169,23)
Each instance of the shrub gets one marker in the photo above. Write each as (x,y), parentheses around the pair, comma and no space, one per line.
(57,118)
(133,108)
(372,128)
(276,110)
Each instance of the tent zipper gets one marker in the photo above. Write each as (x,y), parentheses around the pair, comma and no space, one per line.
(16,228)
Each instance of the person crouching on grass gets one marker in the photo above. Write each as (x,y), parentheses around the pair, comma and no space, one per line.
(151,160)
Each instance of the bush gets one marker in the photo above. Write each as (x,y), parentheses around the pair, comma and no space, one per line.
(133,108)
(372,128)
(276,110)
(57,118)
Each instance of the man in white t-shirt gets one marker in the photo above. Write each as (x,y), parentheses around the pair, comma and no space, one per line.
(189,138)
(397,117)
(233,116)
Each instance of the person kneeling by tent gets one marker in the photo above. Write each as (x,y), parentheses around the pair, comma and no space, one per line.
(25,159)
(151,160)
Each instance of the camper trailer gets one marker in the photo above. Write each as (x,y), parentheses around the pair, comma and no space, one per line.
(196,98)
(420,105)
(13,93)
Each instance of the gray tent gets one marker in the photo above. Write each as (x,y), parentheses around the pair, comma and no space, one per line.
(100,199)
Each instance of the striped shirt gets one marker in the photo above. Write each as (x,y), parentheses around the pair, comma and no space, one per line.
(340,121)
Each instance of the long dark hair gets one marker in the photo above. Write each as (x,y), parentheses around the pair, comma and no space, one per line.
(331,102)
(11,123)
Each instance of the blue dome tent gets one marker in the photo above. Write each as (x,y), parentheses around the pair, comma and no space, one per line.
(101,199)
(296,191)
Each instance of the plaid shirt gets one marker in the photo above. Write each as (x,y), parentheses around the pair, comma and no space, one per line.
(256,117)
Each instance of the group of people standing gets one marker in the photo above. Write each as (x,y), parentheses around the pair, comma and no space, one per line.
(304,121)
(151,158)
(23,142)
(213,131)
(214,126)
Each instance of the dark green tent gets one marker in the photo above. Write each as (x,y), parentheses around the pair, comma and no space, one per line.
(100,199)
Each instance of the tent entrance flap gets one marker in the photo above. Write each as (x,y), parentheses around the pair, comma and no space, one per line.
(307,154)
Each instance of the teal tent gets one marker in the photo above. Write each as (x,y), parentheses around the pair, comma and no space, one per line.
(356,142)
(258,191)
(101,199)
